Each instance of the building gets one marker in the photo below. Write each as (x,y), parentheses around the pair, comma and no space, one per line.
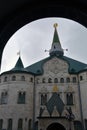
(49,94)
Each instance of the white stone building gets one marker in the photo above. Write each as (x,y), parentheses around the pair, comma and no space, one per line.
(48,95)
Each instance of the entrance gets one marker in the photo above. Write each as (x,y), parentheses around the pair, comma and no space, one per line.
(55,126)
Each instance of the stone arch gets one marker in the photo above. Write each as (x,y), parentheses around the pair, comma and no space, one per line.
(35,10)
(55,126)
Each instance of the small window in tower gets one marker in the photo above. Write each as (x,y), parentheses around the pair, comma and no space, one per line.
(49,80)
(21,98)
(68,80)
(74,79)
(31,79)
(55,80)
(22,78)
(13,78)
(62,80)
(43,80)
(81,78)
(5,79)
(4,97)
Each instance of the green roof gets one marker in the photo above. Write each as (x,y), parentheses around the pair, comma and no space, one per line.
(55,37)
(74,65)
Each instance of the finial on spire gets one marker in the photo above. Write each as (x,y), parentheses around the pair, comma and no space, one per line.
(55,25)
(18,53)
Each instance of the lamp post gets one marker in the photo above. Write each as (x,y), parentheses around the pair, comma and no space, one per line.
(70,116)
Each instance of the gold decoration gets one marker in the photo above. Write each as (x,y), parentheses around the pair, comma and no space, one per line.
(55,25)
(55,88)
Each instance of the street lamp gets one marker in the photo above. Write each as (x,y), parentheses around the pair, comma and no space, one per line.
(70,116)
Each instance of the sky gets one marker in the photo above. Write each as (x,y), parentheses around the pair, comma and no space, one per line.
(34,38)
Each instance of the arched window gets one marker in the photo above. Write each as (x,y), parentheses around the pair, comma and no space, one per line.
(55,80)
(1,124)
(9,124)
(81,78)
(69,98)
(31,79)
(29,124)
(5,79)
(43,99)
(68,80)
(62,80)
(20,124)
(37,80)
(22,78)
(43,80)
(74,79)
(49,80)
(13,78)
(21,98)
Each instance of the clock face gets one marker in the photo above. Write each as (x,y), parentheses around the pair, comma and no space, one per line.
(55,66)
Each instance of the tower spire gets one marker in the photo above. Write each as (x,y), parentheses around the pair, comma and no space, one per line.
(56,48)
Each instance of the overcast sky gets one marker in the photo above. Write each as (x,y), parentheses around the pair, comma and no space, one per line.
(32,39)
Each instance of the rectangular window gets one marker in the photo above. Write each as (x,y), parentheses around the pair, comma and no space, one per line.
(21,98)
(4,97)
(43,99)
(69,98)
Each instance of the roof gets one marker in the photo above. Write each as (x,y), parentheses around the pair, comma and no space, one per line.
(74,65)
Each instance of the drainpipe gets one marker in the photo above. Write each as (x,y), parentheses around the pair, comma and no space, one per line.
(34,104)
(79,92)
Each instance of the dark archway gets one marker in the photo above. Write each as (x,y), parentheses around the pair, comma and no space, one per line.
(55,126)
(19,13)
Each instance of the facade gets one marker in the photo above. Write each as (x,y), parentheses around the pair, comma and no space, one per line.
(49,94)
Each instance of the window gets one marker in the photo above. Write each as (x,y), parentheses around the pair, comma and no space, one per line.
(4,97)
(68,80)
(29,124)
(21,98)
(9,124)
(22,78)
(31,80)
(81,78)
(1,124)
(85,124)
(55,80)
(14,78)
(62,80)
(43,99)
(69,98)
(5,79)
(49,80)
(20,124)
(74,79)
(43,80)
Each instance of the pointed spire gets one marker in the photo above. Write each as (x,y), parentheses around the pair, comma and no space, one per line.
(56,48)
(55,38)
(19,65)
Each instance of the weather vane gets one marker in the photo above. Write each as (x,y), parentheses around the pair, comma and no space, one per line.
(18,53)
